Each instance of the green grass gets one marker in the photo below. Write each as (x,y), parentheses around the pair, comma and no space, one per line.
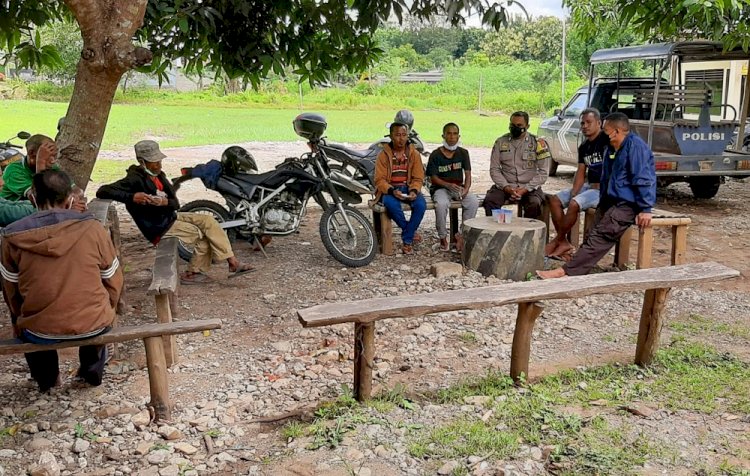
(178,126)
(685,376)
(695,324)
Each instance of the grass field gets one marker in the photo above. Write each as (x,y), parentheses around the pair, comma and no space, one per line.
(176,126)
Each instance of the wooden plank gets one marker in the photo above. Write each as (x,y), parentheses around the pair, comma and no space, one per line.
(364,355)
(99,208)
(644,257)
(157,378)
(679,244)
(370,310)
(119,334)
(622,249)
(164,316)
(519,355)
(652,320)
(165,277)
(670,221)
(386,234)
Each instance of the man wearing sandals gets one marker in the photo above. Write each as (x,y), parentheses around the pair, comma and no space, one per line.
(61,279)
(150,199)
(449,168)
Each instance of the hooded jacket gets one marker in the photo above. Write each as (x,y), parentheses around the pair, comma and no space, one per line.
(629,174)
(152,221)
(383,169)
(61,276)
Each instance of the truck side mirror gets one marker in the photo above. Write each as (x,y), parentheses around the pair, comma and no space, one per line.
(557,112)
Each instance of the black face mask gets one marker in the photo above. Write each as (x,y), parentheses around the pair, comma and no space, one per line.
(515,131)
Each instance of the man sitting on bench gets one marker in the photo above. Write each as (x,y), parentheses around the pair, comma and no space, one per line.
(585,193)
(449,168)
(628,192)
(61,279)
(150,199)
(398,179)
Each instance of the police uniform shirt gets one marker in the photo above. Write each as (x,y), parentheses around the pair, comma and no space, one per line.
(519,162)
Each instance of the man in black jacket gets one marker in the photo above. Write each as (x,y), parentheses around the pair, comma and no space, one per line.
(150,199)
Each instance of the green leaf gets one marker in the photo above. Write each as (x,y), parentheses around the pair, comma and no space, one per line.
(183,23)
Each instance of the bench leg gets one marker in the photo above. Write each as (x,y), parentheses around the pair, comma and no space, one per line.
(622,249)
(679,244)
(364,354)
(574,235)
(164,315)
(157,377)
(519,354)
(652,320)
(645,248)
(385,234)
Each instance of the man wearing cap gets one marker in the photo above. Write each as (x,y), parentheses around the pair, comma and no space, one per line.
(150,199)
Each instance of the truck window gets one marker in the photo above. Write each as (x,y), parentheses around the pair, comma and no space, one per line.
(576,105)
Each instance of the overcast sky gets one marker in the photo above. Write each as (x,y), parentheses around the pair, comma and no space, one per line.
(535,8)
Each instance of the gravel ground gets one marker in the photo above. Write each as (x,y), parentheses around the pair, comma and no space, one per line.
(263,364)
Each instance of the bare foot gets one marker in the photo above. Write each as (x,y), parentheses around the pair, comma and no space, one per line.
(551,274)
(550,247)
(562,248)
(444,245)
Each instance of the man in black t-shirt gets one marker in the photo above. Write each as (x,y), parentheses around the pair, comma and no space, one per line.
(585,191)
(449,169)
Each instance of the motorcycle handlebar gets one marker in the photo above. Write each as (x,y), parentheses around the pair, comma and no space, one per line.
(8,145)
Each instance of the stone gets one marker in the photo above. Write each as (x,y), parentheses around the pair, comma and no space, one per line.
(353,454)
(46,465)
(448,468)
(446,268)
(81,445)
(38,444)
(171,470)
(170,433)
(141,419)
(424,329)
(282,346)
(478,400)
(157,457)
(639,410)
(143,448)
(185,448)
(29,428)
(7,453)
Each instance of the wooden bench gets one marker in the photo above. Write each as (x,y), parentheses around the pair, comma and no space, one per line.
(656,283)
(164,289)
(152,335)
(661,218)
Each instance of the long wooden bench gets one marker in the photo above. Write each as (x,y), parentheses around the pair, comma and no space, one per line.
(661,218)
(655,283)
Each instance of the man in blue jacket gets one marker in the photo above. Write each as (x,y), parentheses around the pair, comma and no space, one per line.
(628,192)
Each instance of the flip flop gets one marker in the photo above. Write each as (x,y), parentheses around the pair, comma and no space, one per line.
(199,278)
(240,272)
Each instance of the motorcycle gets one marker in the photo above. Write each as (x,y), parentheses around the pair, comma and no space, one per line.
(9,152)
(274,203)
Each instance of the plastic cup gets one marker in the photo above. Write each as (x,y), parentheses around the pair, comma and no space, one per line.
(497,215)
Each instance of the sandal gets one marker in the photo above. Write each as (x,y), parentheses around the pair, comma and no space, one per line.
(242,269)
(196,278)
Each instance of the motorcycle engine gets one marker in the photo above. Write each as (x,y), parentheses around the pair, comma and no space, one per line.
(282,214)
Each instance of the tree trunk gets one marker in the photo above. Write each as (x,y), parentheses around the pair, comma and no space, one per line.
(107,28)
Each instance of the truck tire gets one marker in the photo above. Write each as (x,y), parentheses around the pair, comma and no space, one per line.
(704,187)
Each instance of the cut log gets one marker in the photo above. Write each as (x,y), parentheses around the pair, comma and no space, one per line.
(505,250)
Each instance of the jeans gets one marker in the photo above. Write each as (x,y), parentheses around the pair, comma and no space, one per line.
(442,199)
(393,208)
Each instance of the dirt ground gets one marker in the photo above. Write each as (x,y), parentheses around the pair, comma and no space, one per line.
(260,309)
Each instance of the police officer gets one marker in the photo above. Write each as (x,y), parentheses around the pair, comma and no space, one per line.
(518,167)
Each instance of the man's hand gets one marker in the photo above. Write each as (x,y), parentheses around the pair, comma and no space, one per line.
(643,219)
(412,196)
(518,193)
(46,156)
(141,198)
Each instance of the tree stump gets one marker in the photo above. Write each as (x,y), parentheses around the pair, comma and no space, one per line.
(505,250)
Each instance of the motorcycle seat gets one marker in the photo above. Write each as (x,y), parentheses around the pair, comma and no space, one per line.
(360,154)
(253,179)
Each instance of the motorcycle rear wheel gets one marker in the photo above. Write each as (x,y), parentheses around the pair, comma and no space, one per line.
(205,207)
(352,251)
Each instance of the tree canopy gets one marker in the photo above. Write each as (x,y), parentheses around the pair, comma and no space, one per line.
(245,39)
(727,21)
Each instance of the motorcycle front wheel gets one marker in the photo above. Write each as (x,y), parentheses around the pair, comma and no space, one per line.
(206,207)
(352,250)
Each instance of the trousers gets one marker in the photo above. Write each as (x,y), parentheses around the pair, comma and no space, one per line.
(442,199)
(204,234)
(531,203)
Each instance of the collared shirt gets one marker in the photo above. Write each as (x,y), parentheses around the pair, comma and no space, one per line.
(519,162)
